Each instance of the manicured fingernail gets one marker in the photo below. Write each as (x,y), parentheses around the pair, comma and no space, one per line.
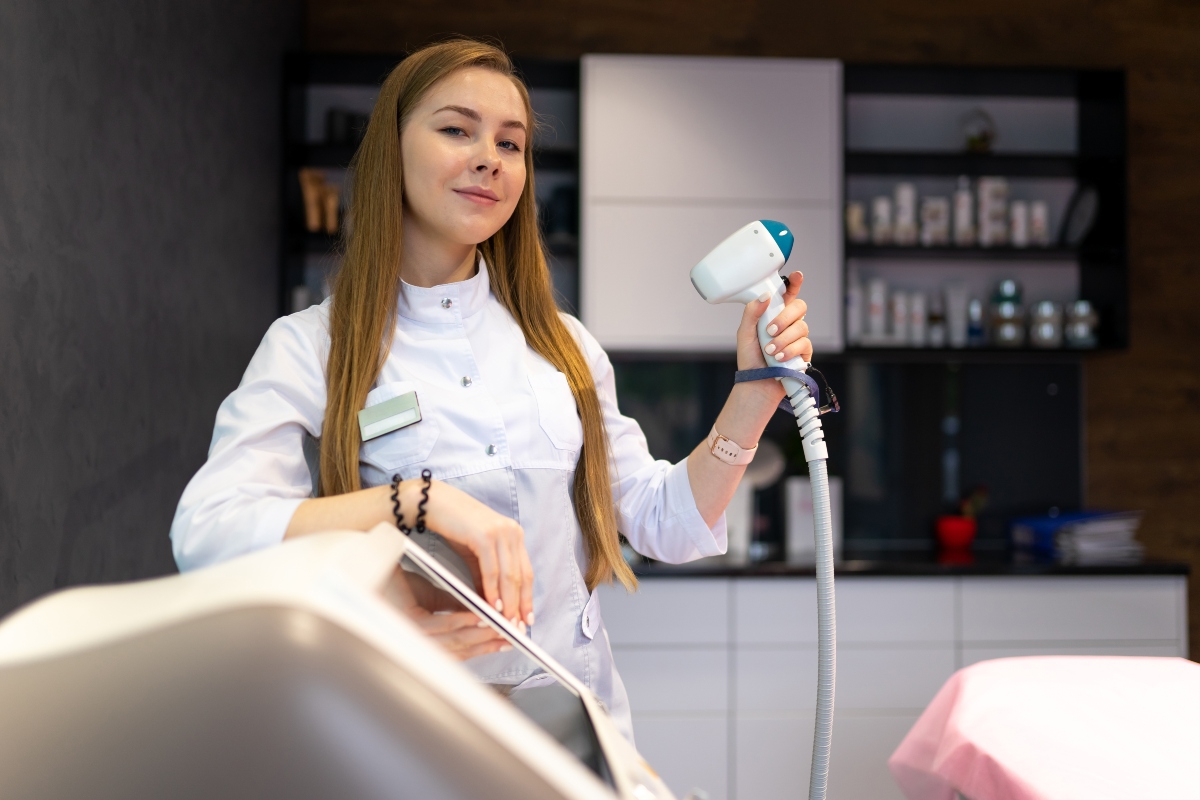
(772,329)
(504,648)
(482,624)
(499,605)
(780,356)
(764,297)
(529,617)
(770,348)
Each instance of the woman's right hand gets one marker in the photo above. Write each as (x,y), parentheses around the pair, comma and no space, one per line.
(492,544)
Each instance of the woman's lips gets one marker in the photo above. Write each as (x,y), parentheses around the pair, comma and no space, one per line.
(481,197)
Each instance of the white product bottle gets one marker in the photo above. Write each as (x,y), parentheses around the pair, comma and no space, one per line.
(854,308)
(904,229)
(917,319)
(964,214)
(899,308)
(877,295)
(1018,218)
(956,314)
(1039,223)
(881,220)
(800,536)
(993,212)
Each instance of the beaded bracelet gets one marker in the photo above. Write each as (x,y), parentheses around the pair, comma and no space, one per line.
(427,479)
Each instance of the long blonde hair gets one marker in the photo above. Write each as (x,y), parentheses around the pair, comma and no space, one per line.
(367,286)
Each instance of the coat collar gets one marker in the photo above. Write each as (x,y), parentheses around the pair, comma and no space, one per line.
(447,302)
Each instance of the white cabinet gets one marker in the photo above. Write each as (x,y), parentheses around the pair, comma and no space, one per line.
(721,672)
(677,153)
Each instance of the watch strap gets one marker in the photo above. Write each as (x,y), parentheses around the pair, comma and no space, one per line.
(728,450)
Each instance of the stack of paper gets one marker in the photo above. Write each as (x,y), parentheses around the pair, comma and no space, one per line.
(1103,540)
(1087,537)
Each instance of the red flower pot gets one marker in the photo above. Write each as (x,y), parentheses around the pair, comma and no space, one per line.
(955,533)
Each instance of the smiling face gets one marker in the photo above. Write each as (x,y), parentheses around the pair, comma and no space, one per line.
(463,151)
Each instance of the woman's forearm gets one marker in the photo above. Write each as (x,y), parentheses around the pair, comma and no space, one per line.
(356,511)
(743,419)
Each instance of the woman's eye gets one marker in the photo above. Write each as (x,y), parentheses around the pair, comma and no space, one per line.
(453,131)
(509,145)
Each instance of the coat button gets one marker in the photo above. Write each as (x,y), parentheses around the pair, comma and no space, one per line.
(491,450)
(466,381)
(447,302)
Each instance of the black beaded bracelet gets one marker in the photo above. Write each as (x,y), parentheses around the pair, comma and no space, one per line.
(396,504)
(427,477)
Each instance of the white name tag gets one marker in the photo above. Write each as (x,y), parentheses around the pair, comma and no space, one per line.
(388,416)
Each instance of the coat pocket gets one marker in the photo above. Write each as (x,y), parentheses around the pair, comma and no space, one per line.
(557,413)
(400,448)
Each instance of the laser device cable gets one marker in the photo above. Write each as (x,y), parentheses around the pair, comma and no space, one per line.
(742,268)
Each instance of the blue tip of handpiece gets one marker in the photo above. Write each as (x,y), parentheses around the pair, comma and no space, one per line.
(782,236)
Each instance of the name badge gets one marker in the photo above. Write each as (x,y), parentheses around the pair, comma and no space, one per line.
(390,415)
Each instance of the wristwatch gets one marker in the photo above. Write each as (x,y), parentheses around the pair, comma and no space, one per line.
(728,450)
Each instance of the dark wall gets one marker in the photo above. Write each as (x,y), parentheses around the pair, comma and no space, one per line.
(1143,405)
(139,218)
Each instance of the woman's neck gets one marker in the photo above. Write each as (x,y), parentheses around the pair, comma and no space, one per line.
(427,261)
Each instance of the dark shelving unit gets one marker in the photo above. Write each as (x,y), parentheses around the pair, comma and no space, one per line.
(918,252)
(1098,160)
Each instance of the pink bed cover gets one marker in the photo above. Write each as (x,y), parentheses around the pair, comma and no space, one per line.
(1058,727)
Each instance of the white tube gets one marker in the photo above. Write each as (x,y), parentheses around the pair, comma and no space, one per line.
(826,630)
(808,420)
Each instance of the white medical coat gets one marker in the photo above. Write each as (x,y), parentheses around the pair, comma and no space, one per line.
(498,422)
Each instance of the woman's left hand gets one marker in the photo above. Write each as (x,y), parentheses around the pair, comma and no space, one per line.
(788,329)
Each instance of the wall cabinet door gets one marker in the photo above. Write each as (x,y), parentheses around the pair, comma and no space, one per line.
(677,153)
(688,751)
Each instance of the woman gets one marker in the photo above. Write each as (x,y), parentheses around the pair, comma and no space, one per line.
(443,300)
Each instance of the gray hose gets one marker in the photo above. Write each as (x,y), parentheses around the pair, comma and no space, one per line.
(826,630)
(808,420)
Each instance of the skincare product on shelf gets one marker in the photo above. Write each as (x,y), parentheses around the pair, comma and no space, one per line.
(330,197)
(854,308)
(312,186)
(956,314)
(964,213)
(904,229)
(993,212)
(1080,328)
(976,336)
(899,315)
(881,220)
(877,293)
(935,221)
(1018,223)
(857,231)
(937,321)
(917,319)
(1007,315)
(1039,223)
(1046,325)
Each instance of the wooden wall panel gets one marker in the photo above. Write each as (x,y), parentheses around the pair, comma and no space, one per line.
(1143,405)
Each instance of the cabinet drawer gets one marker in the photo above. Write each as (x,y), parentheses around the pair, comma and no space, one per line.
(785,679)
(774,755)
(900,610)
(667,611)
(1072,609)
(682,679)
(687,751)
